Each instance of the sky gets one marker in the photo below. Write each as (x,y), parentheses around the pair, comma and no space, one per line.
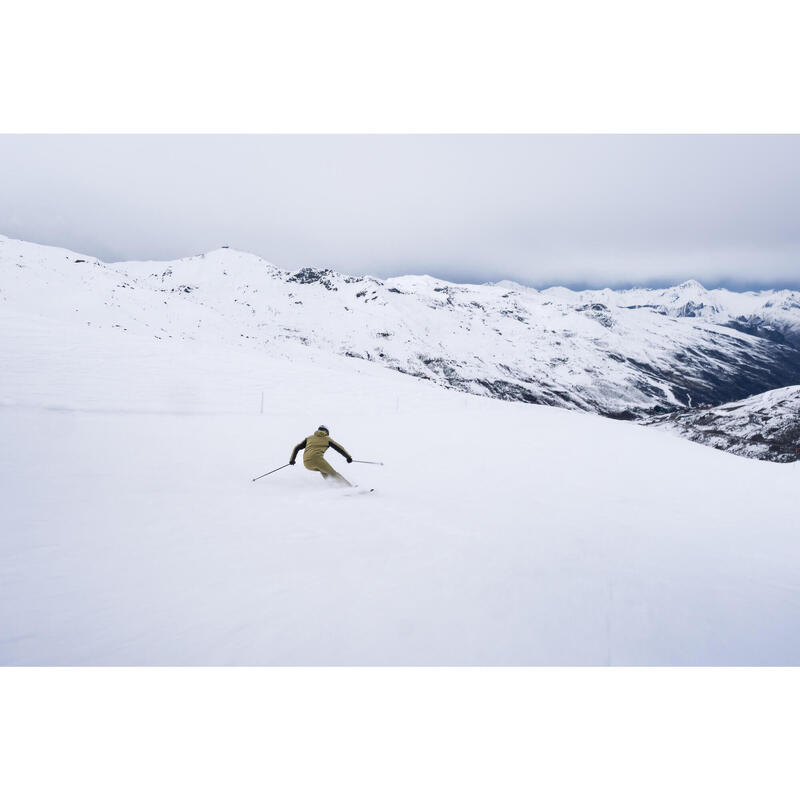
(574,210)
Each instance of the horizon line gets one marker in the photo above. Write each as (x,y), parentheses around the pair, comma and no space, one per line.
(726,283)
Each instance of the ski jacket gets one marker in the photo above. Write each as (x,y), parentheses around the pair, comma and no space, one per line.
(314,447)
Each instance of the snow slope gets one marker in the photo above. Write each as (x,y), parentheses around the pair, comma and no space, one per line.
(499,533)
(626,354)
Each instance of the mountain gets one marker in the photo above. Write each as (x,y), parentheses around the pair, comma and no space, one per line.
(627,354)
(765,426)
(617,353)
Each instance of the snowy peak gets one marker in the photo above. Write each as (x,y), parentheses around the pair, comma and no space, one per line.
(692,285)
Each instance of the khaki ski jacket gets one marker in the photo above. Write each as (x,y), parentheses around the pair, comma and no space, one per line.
(314,448)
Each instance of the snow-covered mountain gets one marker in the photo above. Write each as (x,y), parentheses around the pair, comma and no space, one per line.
(765,426)
(626,354)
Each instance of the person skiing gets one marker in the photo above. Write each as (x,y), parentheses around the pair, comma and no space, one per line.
(314,448)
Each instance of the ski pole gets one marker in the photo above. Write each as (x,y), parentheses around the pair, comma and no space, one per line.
(379,463)
(270,472)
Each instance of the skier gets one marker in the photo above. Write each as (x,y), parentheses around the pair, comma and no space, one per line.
(314,447)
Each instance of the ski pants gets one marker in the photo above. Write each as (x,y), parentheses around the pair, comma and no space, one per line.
(320,465)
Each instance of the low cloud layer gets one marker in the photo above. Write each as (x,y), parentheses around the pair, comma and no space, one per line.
(543,210)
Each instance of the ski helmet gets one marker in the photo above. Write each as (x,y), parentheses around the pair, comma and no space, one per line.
(323,428)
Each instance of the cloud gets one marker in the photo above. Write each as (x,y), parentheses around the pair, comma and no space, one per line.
(574,210)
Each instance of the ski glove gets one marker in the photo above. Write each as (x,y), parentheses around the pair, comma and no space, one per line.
(349,460)
(292,463)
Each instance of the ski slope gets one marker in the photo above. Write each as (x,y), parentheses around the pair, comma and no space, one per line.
(499,533)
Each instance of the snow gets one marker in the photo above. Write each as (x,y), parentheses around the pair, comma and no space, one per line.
(499,533)
(622,353)
(765,426)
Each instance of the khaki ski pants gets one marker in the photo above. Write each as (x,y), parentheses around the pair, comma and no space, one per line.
(320,465)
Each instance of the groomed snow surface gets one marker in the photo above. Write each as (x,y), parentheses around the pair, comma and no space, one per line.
(499,533)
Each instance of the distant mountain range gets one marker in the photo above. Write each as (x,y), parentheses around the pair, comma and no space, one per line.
(637,354)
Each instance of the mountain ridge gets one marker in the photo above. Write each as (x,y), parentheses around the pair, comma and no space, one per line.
(765,426)
(630,354)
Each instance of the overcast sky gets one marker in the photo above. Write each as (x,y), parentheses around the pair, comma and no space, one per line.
(543,210)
